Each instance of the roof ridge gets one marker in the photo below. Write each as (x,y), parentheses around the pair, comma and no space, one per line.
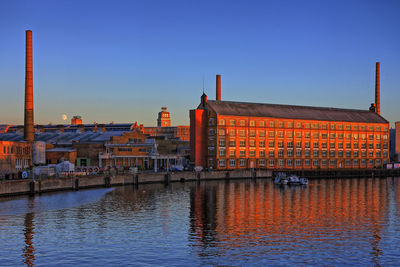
(235,108)
(288,105)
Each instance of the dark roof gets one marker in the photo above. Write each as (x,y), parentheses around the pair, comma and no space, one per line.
(64,138)
(294,112)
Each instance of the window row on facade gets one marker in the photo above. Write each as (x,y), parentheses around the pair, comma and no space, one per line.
(271,123)
(300,153)
(16,149)
(296,134)
(298,144)
(290,163)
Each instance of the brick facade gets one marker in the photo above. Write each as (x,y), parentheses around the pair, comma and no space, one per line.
(238,142)
(14,157)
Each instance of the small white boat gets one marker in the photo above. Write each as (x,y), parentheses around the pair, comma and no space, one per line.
(293,179)
(281,178)
(303,181)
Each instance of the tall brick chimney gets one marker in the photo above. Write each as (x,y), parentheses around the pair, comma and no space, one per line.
(377,90)
(28,118)
(218,92)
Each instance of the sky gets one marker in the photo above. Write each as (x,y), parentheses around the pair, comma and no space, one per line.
(121,61)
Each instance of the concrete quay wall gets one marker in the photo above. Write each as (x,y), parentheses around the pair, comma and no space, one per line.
(19,187)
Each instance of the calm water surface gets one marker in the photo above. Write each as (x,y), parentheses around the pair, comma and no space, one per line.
(238,223)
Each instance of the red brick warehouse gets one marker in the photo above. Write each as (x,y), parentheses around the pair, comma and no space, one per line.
(232,135)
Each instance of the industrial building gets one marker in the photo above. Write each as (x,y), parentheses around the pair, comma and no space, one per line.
(232,135)
(88,146)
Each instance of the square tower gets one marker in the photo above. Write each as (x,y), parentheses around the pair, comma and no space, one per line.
(164,119)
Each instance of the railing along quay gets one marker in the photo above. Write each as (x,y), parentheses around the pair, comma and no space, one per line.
(340,173)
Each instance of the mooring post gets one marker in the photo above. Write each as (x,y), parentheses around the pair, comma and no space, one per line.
(167,178)
(253,174)
(76,184)
(107,182)
(32,188)
(227,175)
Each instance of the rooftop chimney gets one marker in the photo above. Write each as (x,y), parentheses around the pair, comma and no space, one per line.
(377,90)
(218,97)
(28,118)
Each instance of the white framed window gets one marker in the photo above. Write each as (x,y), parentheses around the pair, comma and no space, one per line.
(232,163)
(242,162)
(211,163)
(280,163)
(222,142)
(271,153)
(222,163)
(261,162)
(271,163)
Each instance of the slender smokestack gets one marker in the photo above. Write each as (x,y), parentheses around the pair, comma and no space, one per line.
(377,89)
(218,93)
(28,120)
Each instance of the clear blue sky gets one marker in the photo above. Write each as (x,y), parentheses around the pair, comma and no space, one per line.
(122,60)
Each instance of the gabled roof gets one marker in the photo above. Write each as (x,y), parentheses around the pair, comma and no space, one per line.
(294,112)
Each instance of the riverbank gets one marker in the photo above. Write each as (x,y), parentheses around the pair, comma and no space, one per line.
(23,187)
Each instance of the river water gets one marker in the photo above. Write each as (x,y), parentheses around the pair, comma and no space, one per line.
(331,222)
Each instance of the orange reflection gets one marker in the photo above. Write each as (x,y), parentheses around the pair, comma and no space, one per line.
(29,250)
(248,211)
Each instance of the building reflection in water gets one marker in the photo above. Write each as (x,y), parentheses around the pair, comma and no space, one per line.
(234,215)
(29,250)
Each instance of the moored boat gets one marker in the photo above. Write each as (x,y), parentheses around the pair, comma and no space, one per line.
(281,178)
(303,181)
(293,179)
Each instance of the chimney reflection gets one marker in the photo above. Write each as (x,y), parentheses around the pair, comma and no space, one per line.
(29,250)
